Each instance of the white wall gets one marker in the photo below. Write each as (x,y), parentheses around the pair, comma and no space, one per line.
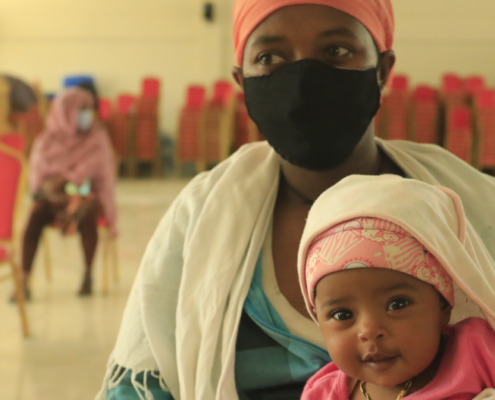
(120,41)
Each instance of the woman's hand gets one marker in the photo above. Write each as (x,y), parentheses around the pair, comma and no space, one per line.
(52,189)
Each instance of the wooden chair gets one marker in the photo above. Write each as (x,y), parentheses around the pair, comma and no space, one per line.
(110,262)
(13,167)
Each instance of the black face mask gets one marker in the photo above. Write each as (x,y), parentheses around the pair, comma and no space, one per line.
(311,113)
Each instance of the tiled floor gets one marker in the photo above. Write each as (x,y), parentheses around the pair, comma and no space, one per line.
(72,337)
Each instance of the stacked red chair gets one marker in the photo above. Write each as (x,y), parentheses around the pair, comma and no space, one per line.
(120,124)
(424,115)
(395,107)
(147,122)
(474,84)
(191,125)
(453,91)
(459,133)
(219,123)
(485,123)
(105,109)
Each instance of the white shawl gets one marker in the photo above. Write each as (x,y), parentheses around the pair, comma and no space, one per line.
(184,309)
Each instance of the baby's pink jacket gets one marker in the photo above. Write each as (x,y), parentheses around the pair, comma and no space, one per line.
(467,368)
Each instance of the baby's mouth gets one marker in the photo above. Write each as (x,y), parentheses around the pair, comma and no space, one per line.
(380,361)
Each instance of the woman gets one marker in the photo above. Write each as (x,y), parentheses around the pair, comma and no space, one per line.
(216,311)
(71,178)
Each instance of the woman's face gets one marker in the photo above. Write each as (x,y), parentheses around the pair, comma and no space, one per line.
(311,31)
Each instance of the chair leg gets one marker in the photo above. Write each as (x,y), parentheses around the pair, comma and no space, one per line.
(47,255)
(106,266)
(19,295)
(115,260)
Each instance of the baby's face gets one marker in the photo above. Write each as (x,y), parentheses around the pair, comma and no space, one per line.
(380,326)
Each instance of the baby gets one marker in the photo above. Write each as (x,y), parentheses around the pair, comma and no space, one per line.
(383,299)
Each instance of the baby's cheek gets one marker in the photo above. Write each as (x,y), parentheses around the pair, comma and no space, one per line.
(343,351)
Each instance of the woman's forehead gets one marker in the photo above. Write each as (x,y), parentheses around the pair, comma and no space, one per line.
(307,19)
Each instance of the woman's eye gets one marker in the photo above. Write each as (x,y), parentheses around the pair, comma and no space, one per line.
(398,304)
(338,51)
(270,59)
(342,315)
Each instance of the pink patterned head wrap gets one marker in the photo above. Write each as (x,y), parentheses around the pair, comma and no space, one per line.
(376,15)
(373,243)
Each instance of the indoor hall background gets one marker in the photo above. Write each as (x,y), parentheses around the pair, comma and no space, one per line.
(121,41)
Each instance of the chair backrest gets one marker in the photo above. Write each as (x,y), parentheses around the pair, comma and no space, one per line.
(451,83)
(14,140)
(459,133)
(485,99)
(11,165)
(474,84)
(399,83)
(104,108)
(425,113)
(424,93)
(195,97)
(151,87)
(125,103)
(222,93)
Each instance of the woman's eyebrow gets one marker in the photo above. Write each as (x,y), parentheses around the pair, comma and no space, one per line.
(339,32)
(266,39)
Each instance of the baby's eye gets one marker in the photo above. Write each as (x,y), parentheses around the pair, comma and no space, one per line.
(398,304)
(342,315)
(270,59)
(337,51)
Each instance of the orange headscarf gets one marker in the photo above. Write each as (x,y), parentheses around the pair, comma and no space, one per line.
(376,15)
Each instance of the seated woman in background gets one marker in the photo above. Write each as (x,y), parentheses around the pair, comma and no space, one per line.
(72,179)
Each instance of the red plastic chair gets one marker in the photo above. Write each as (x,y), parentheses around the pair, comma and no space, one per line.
(459,135)
(400,83)
(190,125)
(424,115)
(105,109)
(196,96)
(11,181)
(126,103)
(395,112)
(219,123)
(222,93)
(14,140)
(485,123)
(453,91)
(151,88)
(474,84)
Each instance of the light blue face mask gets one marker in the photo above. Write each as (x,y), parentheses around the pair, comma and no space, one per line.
(85,120)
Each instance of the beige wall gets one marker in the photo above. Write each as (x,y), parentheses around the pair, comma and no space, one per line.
(436,36)
(120,41)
